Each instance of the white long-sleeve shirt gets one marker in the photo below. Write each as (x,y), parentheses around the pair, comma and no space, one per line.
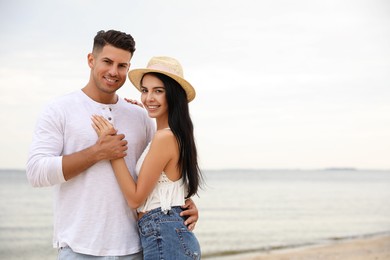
(90,213)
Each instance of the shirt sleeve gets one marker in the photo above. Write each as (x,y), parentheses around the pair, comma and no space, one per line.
(44,164)
(150,129)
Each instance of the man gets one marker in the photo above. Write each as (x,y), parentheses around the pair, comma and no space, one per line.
(91,216)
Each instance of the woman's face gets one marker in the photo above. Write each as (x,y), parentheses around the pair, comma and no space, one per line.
(153,96)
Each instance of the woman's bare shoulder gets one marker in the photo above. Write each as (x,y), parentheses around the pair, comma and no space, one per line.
(164,137)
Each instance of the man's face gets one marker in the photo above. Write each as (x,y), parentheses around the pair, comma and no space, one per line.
(109,68)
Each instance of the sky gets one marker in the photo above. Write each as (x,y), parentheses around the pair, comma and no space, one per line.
(280,84)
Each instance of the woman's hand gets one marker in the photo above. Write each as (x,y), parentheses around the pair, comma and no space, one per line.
(102,126)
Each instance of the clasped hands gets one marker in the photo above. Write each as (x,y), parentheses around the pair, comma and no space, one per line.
(111,145)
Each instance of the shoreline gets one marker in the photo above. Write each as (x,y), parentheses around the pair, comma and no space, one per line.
(360,247)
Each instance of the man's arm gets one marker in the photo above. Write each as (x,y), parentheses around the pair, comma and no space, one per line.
(109,147)
(46,166)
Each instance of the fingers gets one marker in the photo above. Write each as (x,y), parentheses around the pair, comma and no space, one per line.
(131,101)
(102,125)
(134,102)
(191,227)
(96,123)
(111,147)
(123,142)
(190,223)
(95,127)
(105,123)
(192,214)
(121,148)
(100,121)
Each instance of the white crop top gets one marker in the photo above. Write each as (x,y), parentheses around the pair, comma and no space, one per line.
(166,194)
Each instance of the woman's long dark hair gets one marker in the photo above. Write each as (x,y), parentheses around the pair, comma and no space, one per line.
(180,122)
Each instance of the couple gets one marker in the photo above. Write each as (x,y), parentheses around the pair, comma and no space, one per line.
(93,175)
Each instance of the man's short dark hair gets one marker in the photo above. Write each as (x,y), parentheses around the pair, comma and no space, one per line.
(115,38)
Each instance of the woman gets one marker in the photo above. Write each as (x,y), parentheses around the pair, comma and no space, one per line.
(168,171)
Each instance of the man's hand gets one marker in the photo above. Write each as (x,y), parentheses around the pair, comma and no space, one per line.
(110,145)
(134,102)
(192,214)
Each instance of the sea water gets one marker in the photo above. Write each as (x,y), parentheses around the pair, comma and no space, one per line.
(240,210)
(244,211)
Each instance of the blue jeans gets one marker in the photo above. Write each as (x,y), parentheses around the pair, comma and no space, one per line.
(164,236)
(66,253)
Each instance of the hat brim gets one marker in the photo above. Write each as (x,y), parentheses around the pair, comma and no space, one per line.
(136,75)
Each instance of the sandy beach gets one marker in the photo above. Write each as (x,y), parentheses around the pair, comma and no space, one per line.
(368,248)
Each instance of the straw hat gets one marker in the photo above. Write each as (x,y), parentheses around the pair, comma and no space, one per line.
(167,66)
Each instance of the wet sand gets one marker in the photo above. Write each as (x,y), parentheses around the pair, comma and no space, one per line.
(367,248)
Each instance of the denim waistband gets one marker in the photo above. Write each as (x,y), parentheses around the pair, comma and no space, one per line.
(157,211)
